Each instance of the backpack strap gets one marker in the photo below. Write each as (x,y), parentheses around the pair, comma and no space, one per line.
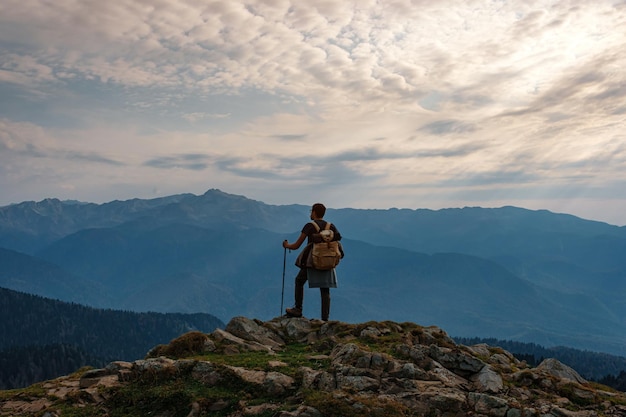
(317,227)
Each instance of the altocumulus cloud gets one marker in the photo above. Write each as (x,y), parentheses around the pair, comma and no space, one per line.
(405,103)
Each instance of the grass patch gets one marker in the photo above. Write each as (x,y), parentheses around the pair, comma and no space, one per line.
(576,395)
(84,411)
(189,344)
(34,391)
(293,355)
(142,398)
(341,405)
(251,360)
(174,398)
(297,355)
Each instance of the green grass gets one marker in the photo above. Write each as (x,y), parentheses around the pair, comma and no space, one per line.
(174,397)
(293,355)
(85,411)
(341,405)
(34,391)
(251,360)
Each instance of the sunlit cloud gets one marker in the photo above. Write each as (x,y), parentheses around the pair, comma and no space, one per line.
(387,104)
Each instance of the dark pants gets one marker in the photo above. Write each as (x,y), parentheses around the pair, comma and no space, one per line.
(301,279)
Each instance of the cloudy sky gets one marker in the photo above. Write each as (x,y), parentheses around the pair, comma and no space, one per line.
(364,104)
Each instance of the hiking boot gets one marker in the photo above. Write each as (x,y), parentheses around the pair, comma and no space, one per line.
(294,312)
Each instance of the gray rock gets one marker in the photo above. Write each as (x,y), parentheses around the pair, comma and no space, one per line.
(434,335)
(357,383)
(274,383)
(370,332)
(250,330)
(456,360)
(562,412)
(302,411)
(487,404)
(559,370)
(206,372)
(450,400)
(487,380)
(447,377)
(230,339)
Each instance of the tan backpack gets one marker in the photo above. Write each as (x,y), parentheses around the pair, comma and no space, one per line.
(325,253)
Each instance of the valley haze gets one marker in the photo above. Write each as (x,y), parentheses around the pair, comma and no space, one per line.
(509,273)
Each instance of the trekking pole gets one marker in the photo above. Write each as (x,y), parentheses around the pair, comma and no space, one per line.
(282,294)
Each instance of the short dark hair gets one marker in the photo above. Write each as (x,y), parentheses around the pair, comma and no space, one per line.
(319,209)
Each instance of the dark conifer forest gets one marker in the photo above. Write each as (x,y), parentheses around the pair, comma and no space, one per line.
(22,366)
(42,338)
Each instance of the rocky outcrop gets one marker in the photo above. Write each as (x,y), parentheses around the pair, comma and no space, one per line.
(294,367)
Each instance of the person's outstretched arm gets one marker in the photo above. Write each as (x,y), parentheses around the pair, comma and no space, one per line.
(296,244)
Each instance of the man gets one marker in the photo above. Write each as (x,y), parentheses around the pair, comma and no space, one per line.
(323,279)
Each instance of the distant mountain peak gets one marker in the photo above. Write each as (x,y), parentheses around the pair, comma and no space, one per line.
(217,193)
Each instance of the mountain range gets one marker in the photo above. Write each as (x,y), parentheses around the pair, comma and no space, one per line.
(508,273)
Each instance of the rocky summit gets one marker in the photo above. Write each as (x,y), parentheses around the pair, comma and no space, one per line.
(295,367)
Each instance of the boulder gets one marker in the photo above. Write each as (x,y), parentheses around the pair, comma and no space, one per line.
(559,370)
(487,380)
(230,339)
(456,360)
(252,330)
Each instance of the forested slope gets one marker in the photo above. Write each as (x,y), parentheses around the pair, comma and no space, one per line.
(33,328)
